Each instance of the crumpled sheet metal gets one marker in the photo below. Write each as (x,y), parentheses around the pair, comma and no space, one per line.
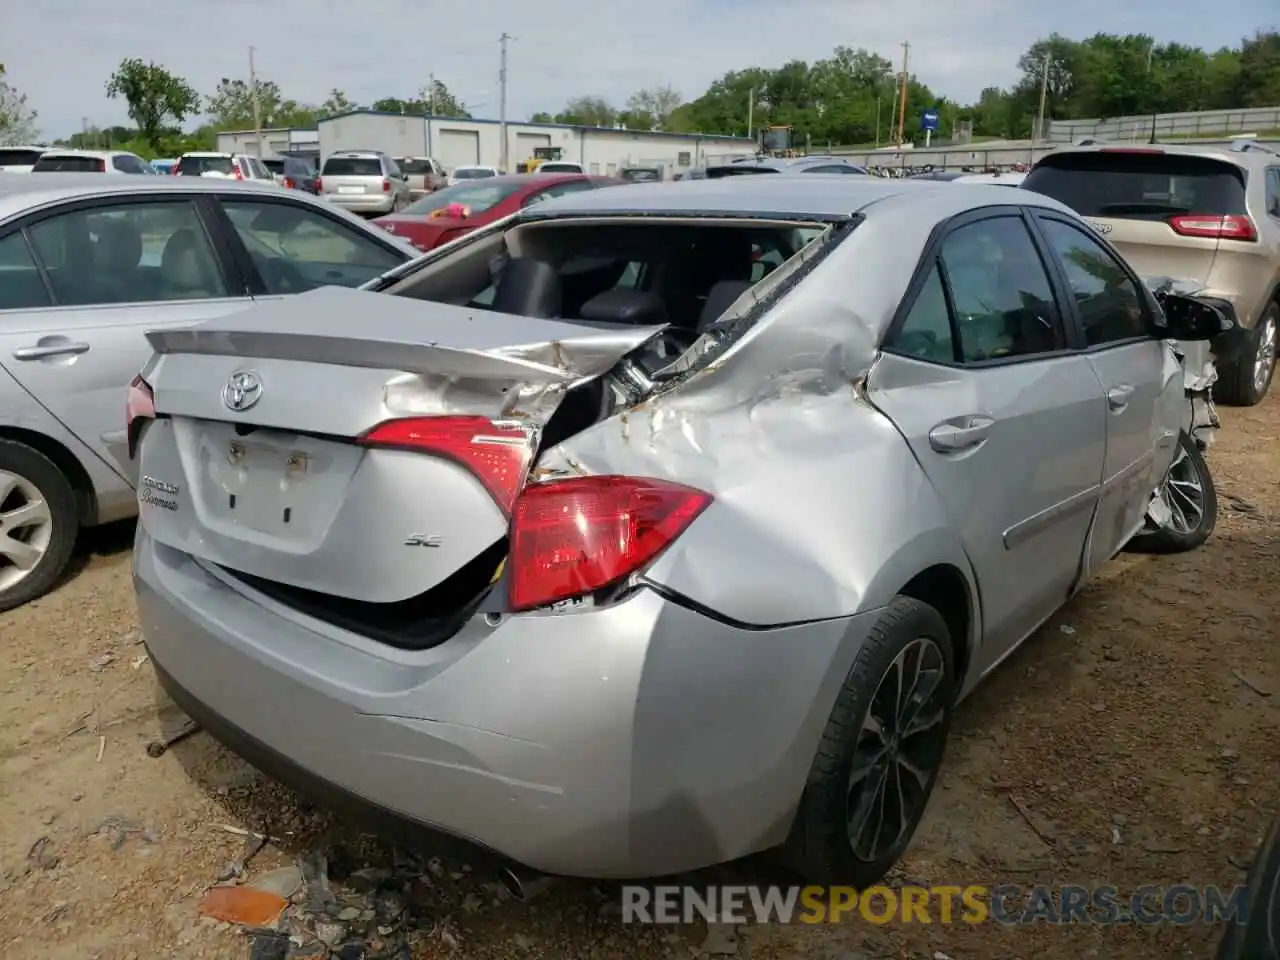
(1201,373)
(730,414)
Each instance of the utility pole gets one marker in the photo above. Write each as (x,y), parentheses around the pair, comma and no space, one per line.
(431,107)
(1038,132)
(1151,53)
(502,97)
(902,109)
(257,107)
(877,122)
(751,116)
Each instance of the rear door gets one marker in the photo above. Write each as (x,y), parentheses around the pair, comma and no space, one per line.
(1139,374)
(1163,211)
(113,270)
(290,247)
(1006,418)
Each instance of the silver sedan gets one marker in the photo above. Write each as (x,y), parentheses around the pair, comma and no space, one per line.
(660,525)
(87,265)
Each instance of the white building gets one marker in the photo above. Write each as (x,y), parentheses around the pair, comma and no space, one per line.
(291,140)
(455,142)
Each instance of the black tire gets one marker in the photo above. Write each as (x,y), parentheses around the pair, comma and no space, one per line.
(40,472)
(819,846)
(1188,463)
(1236,385)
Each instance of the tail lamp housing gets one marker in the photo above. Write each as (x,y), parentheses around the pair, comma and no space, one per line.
(568,538)
(1229,226)
(140,409)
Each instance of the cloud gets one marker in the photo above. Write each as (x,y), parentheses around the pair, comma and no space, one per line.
(564,48)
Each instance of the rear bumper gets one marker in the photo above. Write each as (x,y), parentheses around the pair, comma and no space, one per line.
(367,203)
(638,740)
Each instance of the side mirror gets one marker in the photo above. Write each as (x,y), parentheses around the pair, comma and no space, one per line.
(1192,318)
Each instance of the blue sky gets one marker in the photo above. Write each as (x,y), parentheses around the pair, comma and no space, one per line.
(60,52)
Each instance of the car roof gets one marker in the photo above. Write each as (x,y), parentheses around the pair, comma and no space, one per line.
(1246,154)
(356,153)
(823,196)
(19,194)
(529,180)
(71,152)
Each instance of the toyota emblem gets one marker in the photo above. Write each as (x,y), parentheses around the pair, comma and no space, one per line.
(242,391)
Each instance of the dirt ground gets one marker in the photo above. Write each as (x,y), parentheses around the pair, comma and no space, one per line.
(1137,731)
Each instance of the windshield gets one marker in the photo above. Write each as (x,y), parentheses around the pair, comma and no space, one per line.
(195,166)
(1139,184)
(472,173)
(476,197)
(560,168)
(72,164)
(414,165)
(275,166)
(640,175)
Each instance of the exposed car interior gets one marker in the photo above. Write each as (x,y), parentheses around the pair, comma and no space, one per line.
(684,274)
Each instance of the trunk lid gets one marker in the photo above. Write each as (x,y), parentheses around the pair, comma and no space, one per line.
(423,232)
(1133,195)
(283,490)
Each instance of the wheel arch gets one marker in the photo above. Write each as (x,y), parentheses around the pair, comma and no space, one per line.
(65,461)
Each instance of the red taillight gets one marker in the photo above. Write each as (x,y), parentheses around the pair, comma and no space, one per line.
(102,166)
(289,184)
(175,170)
(319,184)
(140,406)
(1230,226)
(573,537)
(386,186)
(497,454)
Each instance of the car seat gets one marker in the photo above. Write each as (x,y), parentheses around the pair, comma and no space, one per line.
(117,254)
(528,287)
(185,271)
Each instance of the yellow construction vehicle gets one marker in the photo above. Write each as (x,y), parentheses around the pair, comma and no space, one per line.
(540,156)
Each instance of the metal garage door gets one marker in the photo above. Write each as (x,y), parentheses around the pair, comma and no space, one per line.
(458,148)
(525,142)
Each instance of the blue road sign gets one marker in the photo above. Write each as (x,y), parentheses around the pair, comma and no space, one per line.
(929,120)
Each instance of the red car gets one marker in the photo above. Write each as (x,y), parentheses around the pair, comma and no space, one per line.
(449,213)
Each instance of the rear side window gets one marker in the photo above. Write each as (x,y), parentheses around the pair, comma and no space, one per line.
(275,166)
(1273,192)
(1139,185)
(833,168)
(352,167)
(51,163)
(128,163)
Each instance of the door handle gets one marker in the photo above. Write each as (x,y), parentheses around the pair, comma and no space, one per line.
(66,349)
(960,433)
(1118,397)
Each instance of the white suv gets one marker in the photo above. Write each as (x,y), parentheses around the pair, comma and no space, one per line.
(223,166)
(93,161)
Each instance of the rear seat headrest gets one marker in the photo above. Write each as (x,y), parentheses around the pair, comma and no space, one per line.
(632,307)
(719,299)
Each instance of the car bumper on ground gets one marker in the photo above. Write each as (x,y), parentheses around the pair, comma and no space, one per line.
(369,204)
(636,740)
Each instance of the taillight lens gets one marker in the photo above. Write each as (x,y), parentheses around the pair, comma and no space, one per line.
(319,184)
(288,183)
(386,186)
(497,454)
(102,168)
(573,537)
(175,170)
(140,407)
(1230,226)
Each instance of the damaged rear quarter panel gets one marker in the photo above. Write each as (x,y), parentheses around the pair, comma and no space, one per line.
(820,510)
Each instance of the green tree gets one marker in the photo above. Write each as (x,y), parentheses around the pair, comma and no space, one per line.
(542,117)
(17,121)
(156,98)
(588,112)
(1258,84)
(651,108)
(336,103)
(231,107)
(434,99)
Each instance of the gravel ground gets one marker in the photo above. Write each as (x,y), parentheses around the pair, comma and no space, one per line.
(1137,730)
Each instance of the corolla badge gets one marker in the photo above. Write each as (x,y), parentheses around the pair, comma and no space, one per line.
(242,391)
(1099,226)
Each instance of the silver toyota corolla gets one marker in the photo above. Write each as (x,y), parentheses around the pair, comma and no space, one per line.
(660,525)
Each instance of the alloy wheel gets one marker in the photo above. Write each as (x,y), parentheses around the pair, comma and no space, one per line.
(26,528)
(899,746)
(1266,357)
(1183,492)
